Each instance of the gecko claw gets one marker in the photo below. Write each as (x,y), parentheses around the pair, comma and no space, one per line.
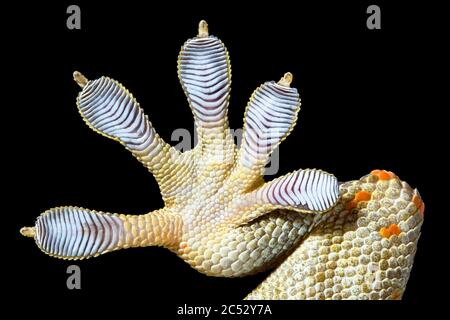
(80,79)
(203,29)
(286,80)
(28,232)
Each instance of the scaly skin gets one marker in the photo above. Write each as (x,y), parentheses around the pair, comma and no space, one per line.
(219,214)
(365,252)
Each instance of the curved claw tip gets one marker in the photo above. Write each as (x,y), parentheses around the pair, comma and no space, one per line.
(28,232)
(203,29)
(80,79)
(286,79)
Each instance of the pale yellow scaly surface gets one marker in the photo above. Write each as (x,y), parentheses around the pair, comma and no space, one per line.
(346,257)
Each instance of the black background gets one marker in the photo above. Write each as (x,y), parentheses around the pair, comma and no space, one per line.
(364,107)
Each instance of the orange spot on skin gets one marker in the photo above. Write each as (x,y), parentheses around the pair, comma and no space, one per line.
(359,196)
(383,174)
(362,196)
(394,229)
(385,233)
(422,209)
(391,230)
(419,204)
(417,201)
